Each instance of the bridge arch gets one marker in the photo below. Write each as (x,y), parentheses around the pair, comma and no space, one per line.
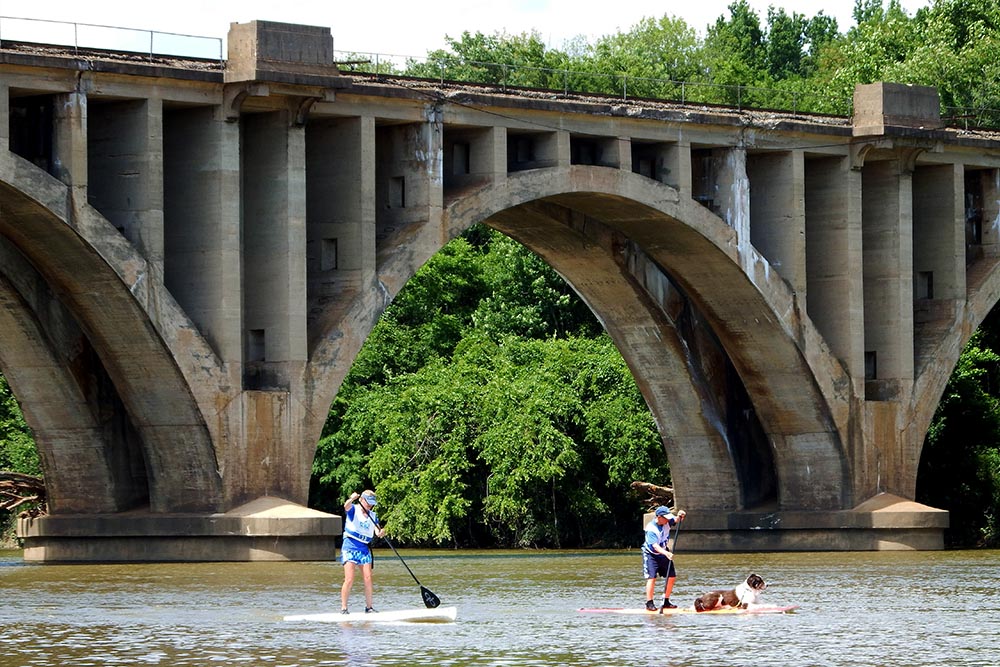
(76,252)
(592,223)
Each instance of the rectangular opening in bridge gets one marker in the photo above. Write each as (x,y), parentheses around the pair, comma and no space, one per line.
(459,159)
(30,127)
(925,285)
(328,255)
(470,157)
(594,151)
(531,150)
(871,366)
(256,345)
(397,192)
(651,160)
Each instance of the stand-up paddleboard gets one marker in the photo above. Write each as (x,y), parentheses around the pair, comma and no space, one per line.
(437,615)
(756,609)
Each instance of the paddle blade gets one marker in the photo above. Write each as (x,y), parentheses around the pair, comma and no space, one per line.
(430,600)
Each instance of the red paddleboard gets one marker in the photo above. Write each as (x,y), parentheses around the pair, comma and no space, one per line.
(756,609)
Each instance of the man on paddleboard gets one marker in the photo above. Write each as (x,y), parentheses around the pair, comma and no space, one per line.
(657,560)
(360,528)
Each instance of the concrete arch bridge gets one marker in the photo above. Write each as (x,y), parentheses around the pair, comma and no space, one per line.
(191,256)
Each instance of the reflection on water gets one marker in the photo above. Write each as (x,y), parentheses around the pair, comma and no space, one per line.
(514,608)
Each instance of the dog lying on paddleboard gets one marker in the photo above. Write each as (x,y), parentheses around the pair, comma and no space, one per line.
(748,593)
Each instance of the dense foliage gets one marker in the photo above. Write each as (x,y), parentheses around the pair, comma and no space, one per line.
(487,407)
(17,448)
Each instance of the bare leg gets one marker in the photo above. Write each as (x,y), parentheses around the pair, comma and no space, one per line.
(345,590)
(669,587)
(366,572)
(650,588)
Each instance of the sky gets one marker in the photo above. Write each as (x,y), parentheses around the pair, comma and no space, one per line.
(407,27)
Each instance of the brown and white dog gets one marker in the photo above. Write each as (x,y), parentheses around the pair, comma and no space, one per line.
(747,593)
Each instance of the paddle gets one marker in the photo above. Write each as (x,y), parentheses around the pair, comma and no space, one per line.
(430,600)
(673,549)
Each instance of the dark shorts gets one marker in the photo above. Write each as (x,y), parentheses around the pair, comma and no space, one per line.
(655,565)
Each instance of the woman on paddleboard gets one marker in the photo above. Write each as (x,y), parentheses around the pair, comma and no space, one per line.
(360,528)
(657,560)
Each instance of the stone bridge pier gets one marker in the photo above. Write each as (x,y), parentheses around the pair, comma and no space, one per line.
(193,253)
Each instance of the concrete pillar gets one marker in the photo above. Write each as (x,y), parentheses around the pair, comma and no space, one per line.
(833,253)
(489,154)
(990,183)
(340,216)
(621,151)
(69,140)
(679,162)
(939,232)
(732,191)
(777,213)
(558,149)
(125,172)
(887,235)
(4,116)
(274,237)
(201,183)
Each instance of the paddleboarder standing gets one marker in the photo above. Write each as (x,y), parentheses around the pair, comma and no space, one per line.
(360,528)
(657,560)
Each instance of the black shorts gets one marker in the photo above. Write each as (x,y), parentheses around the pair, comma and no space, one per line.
(655,565)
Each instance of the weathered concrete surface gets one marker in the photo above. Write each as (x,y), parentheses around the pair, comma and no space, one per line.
(190,266)
(882,523)
(267,528)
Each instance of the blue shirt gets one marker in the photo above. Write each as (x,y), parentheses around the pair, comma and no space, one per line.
(359,529)
(657,534)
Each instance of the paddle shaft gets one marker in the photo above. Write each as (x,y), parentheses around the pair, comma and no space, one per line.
(430,599)
(673,549)
(396,552)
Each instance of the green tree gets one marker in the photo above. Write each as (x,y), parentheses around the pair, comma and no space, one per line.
(960,466)
(652,55)
(17,445)
(738,55)
(503,59)
(526,431)
(17,448)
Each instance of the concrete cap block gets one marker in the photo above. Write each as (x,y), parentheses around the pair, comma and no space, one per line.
(881,105)
(264,50)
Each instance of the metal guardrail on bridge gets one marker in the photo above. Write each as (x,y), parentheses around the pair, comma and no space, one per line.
(79,36)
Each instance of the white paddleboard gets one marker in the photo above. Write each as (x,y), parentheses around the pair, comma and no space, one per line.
(753,609)
(437,615)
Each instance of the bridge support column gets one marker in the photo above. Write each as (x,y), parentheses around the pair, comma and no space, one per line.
(834,287)
(69,141)
(777,209)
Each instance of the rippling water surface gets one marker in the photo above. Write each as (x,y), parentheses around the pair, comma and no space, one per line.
(514,608)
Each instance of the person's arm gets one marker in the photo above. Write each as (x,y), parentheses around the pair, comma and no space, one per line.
(350,501)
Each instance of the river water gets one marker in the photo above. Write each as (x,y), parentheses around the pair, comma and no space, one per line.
(514,608)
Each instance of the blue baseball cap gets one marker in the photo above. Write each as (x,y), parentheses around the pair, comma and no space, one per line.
(369,498)
(662,510)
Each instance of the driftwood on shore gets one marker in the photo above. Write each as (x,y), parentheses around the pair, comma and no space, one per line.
(18,489)
(654,495)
